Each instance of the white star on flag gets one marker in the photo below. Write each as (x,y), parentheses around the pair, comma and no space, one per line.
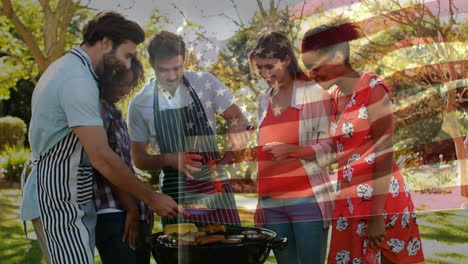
(278,65)
(200,94)
(190,125)
(209,104)
(270,54)
(208,63)
(190,48)
(207,50)
(208,85)
(283,43)
(277,110)
(234,121)
(244,108)
(220,92)
(259,50)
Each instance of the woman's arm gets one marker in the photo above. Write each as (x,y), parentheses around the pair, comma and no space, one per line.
(132,217)
(322,144)
(381,118)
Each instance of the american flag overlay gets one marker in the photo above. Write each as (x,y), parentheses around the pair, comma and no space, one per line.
(419,50)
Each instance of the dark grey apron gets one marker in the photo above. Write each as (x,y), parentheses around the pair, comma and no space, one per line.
(187,129)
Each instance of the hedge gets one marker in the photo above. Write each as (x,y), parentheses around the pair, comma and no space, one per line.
(12,132)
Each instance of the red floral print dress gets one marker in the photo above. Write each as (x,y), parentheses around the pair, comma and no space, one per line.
(356,154)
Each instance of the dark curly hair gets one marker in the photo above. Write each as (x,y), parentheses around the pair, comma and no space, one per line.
(113,86)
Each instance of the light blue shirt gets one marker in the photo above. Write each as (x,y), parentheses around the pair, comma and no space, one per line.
(66,96)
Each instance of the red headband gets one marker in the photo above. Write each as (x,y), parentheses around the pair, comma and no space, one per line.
(332,36)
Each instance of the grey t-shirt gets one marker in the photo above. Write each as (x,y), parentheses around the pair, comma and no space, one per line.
(214,96)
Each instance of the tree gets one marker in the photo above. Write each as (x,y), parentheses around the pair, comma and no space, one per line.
(434,30)
(34,34)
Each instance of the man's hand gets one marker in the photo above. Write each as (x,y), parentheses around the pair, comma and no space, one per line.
(164,206)
(376,231)
(132,221)
(184,162)
(238,137)
(281,151)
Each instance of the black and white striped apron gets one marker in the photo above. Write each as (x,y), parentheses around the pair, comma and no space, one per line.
(188,130)
(65,196)
(65,192)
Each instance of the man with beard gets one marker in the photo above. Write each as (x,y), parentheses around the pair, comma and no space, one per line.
(68,140)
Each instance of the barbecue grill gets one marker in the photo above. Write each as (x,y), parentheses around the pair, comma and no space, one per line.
(247,252)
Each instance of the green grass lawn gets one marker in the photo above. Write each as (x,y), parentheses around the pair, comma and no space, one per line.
(444,234)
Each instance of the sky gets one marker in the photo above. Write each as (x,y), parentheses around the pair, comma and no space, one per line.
(203,12)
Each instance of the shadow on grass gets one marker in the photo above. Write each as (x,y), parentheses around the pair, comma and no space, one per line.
(447,258)
(14,247)
(449,227)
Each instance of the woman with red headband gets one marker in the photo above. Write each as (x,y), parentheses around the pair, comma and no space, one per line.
(294,190)
(374,217)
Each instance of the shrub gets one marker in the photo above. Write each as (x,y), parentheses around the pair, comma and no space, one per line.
(12,132)
(12,160)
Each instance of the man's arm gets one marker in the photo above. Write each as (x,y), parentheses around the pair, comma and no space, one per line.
(109,164)
(146,161)
(184,162)
(237,133)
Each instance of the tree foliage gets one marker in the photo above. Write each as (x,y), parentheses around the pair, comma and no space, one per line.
(34,34)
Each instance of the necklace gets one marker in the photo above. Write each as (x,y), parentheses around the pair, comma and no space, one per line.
(277,108)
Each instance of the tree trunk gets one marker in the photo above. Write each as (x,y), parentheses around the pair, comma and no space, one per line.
(451,126)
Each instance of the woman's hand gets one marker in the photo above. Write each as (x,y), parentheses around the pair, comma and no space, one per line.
(281,151)
(132,222)
(376,231)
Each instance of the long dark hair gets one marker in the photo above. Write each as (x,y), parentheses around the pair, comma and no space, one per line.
(276,45)
(112,86)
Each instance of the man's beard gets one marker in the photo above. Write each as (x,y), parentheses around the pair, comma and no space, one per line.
(110,64)
(111,67)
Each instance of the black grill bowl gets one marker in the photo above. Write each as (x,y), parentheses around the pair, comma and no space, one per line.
(247,252)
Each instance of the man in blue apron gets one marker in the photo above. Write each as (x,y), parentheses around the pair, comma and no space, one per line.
(175,114)
(68,140)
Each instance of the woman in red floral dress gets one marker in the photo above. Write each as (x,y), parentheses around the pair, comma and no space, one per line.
(374,217)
